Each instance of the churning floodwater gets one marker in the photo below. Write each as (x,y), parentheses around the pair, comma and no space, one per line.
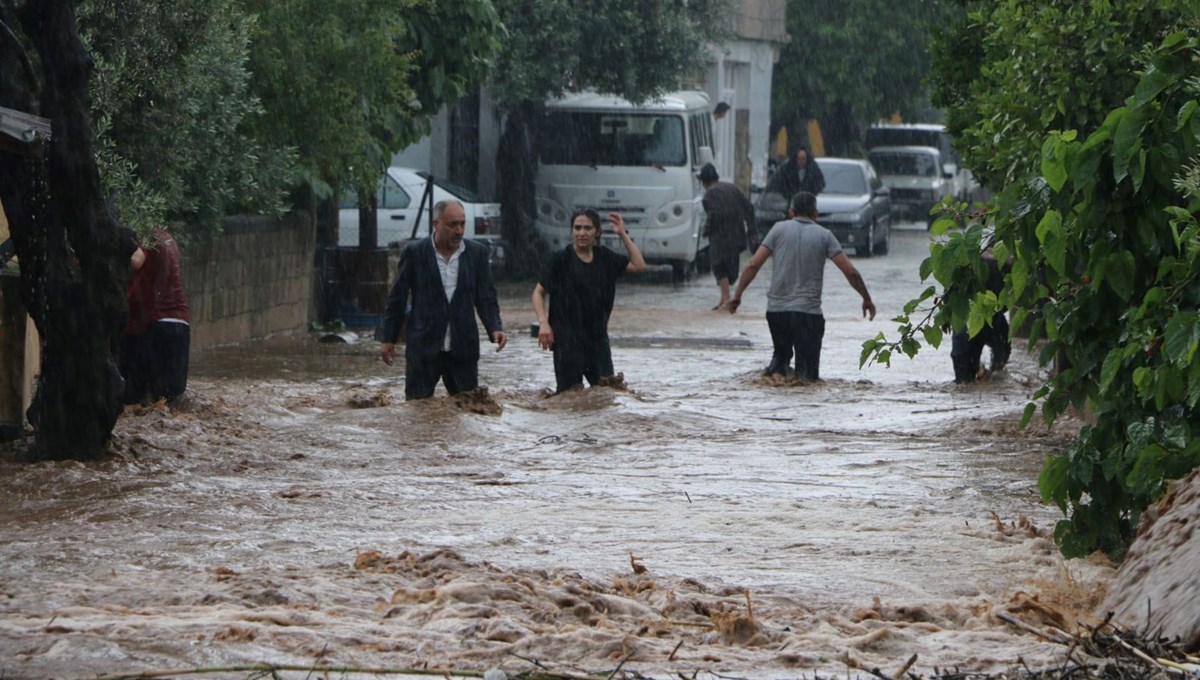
(702,520)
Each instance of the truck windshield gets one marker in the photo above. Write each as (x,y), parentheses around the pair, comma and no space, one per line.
(915,164)
(595,138)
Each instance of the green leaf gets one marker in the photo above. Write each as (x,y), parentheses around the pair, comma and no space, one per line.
(1051,223)
(933,336)
(1095,139)
(1180,337)
(1018,278)
(1108,372)
(1055,474)
(1143,379)
(1119,272)
(942,224)
(1053,167)
(1146,475)
(1000,251)
(1055,249)
(976,320)
(1185,114)
(1128,142)
(1151,84)
(926,268)
(1173,40)
(1027,414)
(1193,395)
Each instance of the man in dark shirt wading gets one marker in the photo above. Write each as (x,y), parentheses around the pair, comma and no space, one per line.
(729,226)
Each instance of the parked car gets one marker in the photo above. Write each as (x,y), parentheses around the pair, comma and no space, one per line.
(855,206)
(917,177)
(399,200)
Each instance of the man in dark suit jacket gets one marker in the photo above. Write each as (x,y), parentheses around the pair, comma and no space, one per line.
(449,280)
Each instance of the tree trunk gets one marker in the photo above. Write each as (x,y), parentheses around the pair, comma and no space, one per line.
(516,170)
(74,260)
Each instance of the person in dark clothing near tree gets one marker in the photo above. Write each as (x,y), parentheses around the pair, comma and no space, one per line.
(581,281)
(729,228)
(154,351)
(800,173)
(966,352)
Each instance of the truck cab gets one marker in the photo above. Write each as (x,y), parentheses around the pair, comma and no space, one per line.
(608,154)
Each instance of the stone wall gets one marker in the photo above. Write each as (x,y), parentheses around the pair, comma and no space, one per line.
(254,279)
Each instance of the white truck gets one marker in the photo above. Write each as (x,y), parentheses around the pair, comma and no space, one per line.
(605,153)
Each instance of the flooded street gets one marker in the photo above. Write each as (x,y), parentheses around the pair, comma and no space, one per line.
(301,510)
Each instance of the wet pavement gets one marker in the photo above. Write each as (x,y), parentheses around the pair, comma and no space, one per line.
(301,509)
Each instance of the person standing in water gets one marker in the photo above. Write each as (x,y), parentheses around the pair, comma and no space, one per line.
(581,282)
(448,280)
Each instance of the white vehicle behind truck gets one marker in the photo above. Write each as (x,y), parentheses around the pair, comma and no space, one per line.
(917,179)
(962,184)
(607,154)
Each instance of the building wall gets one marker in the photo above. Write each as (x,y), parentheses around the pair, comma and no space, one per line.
(253,280)
(740,75)
(763,20)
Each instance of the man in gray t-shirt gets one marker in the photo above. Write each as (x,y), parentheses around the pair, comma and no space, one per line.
(800,247)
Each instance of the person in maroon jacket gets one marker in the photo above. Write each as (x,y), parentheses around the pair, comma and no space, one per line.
(154,353)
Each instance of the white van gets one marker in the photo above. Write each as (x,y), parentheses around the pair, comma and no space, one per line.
(962,182)
(605,153)
(916,177)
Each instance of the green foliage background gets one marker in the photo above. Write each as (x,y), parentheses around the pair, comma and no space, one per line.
(630,48)
(204,108)
(855,61)
(1091,137)
(171,110)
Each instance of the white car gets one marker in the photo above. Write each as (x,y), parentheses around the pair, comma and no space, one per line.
(398,203)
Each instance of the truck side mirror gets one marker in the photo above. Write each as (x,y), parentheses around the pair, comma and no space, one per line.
(706,156)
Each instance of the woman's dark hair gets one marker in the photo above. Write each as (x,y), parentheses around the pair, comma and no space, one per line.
(591,215)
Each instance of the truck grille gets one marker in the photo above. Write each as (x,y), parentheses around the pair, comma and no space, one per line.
(632,215)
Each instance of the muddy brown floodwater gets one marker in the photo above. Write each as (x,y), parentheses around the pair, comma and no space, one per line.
(699,521)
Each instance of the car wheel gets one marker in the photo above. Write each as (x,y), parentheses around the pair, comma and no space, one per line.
(885,244)
(869,249)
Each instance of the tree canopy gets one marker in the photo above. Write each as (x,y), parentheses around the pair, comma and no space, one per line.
(366,81)
(1091,137)
(202,108)
(855,61)
(629,48)
(172,109)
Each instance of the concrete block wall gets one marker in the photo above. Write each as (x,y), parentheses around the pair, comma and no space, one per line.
(254,279)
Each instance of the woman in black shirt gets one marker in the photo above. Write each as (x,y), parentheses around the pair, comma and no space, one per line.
(581,281)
